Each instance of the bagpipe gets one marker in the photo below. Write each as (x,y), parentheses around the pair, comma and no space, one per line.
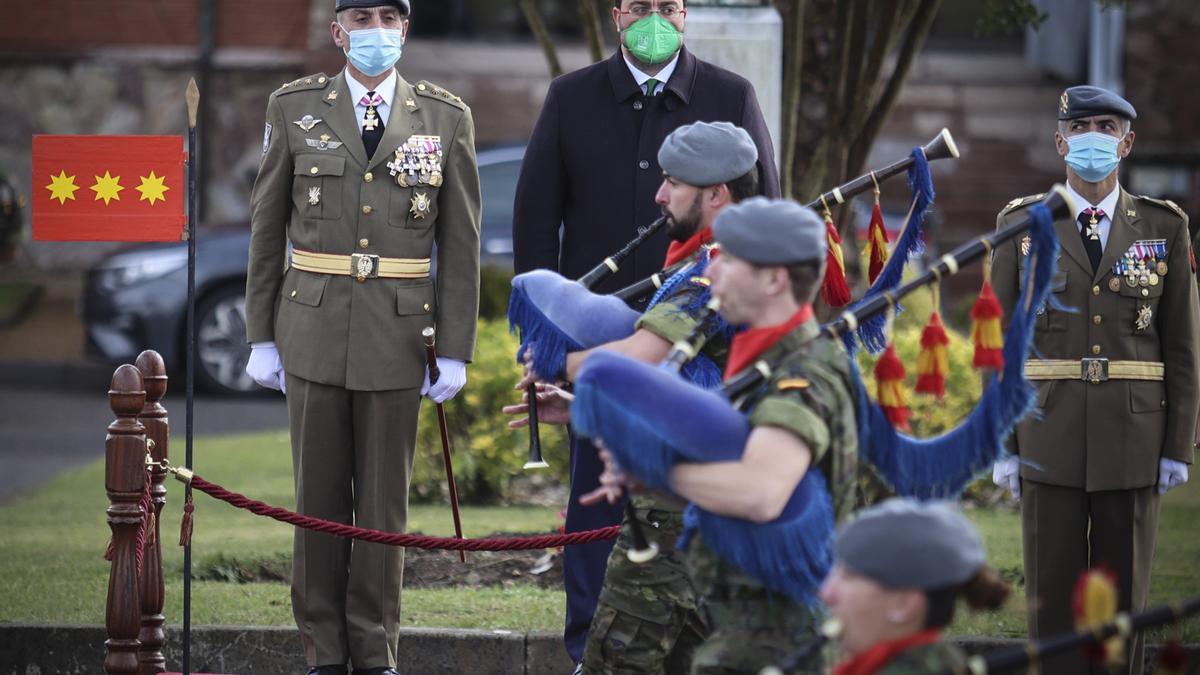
(651,419)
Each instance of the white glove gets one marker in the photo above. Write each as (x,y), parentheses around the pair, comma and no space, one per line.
(1007,474)
(1171,474)
(451,378)
(264,366)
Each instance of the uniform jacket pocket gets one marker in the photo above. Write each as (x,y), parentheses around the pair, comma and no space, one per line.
(414,299)
(316,186)
(305,288)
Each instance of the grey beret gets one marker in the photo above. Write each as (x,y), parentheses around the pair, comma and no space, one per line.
(364,4)
(771,232)
(1086,101)
(707,153)
(902,543)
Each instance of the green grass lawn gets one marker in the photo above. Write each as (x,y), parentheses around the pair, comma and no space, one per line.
(51,568)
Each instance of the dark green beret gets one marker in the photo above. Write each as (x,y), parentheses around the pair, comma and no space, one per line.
(766,231)
(1087,101)
(707,153)
(365,4)
(903,543)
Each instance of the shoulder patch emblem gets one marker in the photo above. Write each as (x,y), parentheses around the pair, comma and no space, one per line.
(794,384)
(266,138)
(431,90)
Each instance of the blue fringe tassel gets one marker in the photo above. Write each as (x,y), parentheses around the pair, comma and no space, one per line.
(911,242)
(679,278)
(791,554)
(703,372)
(941,467)
(550,356)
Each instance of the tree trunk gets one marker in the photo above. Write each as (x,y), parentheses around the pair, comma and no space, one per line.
(590,17)
(538,28)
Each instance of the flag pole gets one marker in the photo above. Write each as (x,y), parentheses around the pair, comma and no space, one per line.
(193,104)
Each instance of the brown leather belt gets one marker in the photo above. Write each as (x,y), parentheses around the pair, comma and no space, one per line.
(1093,370)
(361,266)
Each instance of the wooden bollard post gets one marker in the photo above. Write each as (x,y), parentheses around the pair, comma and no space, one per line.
(150,584)
(125,481)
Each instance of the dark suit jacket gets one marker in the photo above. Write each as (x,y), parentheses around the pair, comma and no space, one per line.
(1110,435)
(592,162)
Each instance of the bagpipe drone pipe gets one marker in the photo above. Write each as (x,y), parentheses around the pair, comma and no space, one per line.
(555,315)
(651,420)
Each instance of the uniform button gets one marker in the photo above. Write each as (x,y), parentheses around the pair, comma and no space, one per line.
(637,105)
(321,79)
(1095,349)
(1162,403)
(363,243)
(313,171)
(643,164)
(367,210)
(293,294)
(368,176)
(1097,319)
(1145,292)
(426,306)
(1095,290)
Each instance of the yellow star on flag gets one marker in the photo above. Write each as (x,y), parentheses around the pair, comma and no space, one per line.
(106,188)
(62,187)
(152,188)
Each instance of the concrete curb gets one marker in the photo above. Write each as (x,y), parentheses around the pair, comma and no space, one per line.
(27,649)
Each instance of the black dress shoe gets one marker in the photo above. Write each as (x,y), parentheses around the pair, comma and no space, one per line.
(375,671)
(327,670)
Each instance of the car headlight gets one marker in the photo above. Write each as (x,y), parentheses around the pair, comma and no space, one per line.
(135,267)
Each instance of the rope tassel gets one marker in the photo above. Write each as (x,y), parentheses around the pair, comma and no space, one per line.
(877,241)
(1095,603)
(834,290)
(933,362)
(986,315)
(889,376)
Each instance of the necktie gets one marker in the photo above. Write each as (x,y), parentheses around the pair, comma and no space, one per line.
(651,86)
(1089,232)
(372,125)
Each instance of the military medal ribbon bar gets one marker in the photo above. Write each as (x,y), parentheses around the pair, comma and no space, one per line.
(108,188)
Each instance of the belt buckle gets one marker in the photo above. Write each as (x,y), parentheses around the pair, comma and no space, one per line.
(364,266)
(1093,371)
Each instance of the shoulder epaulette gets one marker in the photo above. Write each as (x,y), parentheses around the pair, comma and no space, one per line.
(431,90)
(314,81)
(1163,203)
(1020,202)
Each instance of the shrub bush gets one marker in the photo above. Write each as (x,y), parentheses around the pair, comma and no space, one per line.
(487,454)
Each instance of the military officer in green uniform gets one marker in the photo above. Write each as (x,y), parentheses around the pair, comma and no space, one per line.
(1117,371)
(802,416)
(647,619)
(362,174)
(902,566)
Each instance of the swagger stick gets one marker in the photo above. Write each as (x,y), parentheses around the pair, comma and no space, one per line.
(434,373)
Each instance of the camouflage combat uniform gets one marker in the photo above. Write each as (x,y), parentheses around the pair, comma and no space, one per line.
(809,394)
(647,620)
(932,659)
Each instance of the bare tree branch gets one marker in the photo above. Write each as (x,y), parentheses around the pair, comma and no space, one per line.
(538,27)
(591,28)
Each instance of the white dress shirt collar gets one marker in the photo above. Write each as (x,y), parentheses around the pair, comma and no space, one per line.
(663,75)
(386,90)
(1108,205)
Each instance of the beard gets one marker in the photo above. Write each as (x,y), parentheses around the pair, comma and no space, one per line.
(684,226)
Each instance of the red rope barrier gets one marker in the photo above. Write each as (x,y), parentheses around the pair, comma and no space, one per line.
(400,539)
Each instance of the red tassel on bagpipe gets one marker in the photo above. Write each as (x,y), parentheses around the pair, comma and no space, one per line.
(834,290)
(876,250)
(986,333)
(1094,603)
(933,361)
(889,378)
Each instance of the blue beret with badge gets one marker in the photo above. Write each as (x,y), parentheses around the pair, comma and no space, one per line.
(708,153)
(767,231)
(904,543)
(402,5)
(1087,101)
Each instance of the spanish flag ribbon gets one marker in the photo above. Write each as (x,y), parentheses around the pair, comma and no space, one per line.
(889,377)
(834,291)
(932,361)
(876,250)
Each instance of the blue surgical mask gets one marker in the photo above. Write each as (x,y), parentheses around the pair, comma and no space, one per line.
(1092,155)
(374,50)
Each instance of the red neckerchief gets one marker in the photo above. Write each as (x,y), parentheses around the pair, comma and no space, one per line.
(751,343)
(875,658)
(678,250)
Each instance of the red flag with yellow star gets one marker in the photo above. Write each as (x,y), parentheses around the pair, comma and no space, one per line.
(108,188)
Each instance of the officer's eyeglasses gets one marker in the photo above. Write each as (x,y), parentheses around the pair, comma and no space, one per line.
(643,11)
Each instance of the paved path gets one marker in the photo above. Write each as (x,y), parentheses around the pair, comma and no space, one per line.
(52,419)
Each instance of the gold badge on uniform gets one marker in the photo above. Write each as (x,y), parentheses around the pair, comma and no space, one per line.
(332,95)
(418,161)
(307,122)
(1161,268)
(324,143)
(420,205)
(1114,284)
(1144,316)
(314,196)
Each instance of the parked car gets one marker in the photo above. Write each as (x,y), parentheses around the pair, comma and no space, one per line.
(136,298)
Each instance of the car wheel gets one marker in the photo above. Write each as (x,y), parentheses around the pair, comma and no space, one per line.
(221,347)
